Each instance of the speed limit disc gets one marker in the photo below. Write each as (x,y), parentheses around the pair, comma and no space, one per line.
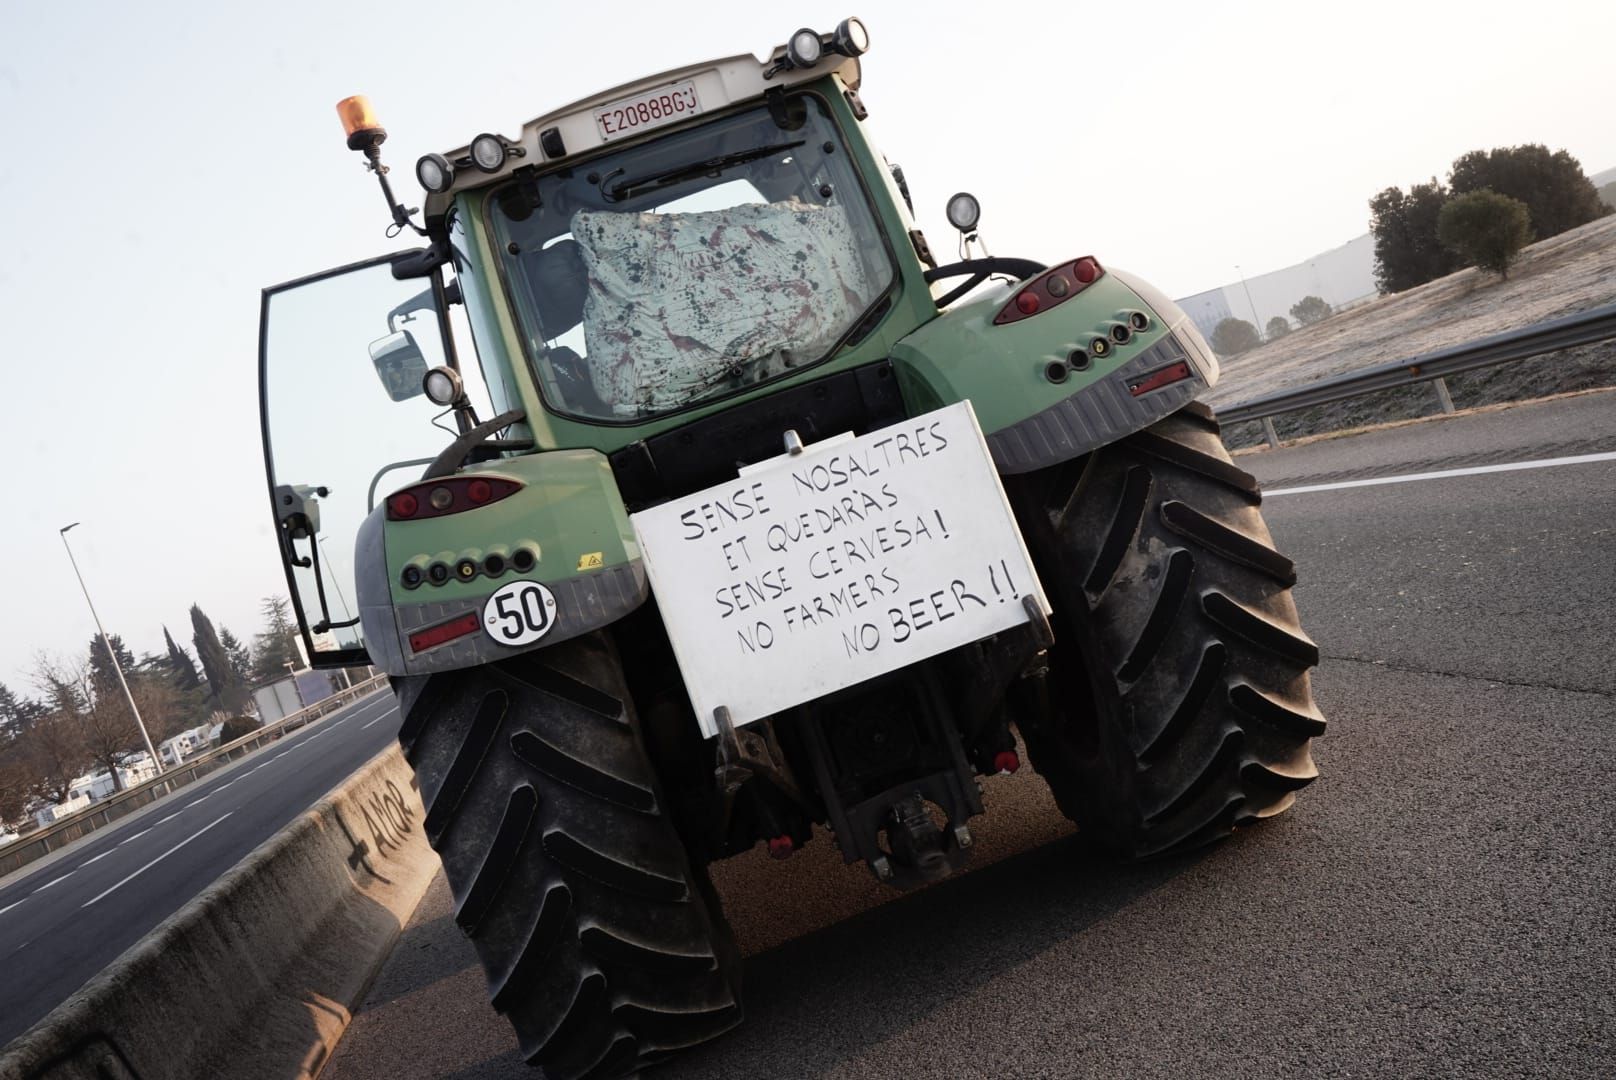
(519,613)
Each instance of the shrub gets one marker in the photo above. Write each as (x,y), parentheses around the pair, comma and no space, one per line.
(1231,337)
(1487,229)
(1311,309)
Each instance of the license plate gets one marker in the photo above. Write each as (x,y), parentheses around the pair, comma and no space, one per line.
(642,112)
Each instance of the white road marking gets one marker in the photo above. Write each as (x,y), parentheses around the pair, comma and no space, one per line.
(57,881)
(137,836)
(13,904)
(170,817)
(1513,466)
(378,720)
(95,858)
(159,859)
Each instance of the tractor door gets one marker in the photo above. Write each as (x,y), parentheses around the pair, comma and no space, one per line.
(345,422)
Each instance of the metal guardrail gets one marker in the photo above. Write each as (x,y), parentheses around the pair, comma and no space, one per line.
(1551,335)
(59,834)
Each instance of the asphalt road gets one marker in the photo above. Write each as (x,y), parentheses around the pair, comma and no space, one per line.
(1438,904)
(62,922)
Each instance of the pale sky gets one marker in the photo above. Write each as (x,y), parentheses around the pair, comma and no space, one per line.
(166,161)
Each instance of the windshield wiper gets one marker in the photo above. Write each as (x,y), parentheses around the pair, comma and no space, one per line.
(709,167)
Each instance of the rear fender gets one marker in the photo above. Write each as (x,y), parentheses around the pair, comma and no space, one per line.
(568,515)
(1032,420)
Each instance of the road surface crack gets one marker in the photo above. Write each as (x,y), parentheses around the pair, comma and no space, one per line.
(1496,679)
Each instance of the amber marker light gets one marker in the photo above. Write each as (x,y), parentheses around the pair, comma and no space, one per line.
(359,122)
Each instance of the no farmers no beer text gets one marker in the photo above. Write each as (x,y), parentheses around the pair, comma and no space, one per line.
(864,554)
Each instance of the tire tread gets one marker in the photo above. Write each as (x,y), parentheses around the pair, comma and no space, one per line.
(568,877)
(1189,708)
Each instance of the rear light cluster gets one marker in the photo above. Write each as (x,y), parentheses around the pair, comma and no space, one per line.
(451,495)
(1050,288)
(424,571)
(1107,336)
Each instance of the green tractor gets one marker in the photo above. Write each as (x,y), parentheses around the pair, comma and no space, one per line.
(752,517)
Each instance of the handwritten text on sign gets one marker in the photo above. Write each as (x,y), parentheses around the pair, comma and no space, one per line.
(814,572)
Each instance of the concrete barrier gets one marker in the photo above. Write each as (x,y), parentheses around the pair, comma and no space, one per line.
(256,976)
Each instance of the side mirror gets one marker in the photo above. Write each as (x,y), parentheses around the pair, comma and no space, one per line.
(399,364)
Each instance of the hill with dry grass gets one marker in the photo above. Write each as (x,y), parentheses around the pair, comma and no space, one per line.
(1564,274)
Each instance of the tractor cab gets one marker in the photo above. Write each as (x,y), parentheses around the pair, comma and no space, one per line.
(622,266)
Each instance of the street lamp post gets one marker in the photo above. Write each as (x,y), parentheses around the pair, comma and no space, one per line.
(1256,320)
(128,698)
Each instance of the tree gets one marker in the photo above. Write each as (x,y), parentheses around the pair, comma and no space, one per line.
(276,646)
(1607,195)
(224,688)
(1557,194)
(1407,252)
(1486,228)
(17,717)
(55,752)
(240,659)
(235,727)
(1311,309)
(14,781)
(17,714)
(1231,337)
(102,677)
(1277,327)
(53,756)
(180,664)
(107,735)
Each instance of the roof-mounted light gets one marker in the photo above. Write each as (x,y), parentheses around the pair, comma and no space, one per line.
(851,38)
(488,152)
(435,173)
(366,134)
(804,48)
(964,211)
(359,123)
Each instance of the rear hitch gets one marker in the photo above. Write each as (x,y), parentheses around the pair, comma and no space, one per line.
(910,829)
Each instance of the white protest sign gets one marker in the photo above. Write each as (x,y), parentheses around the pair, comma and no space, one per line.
(816,571)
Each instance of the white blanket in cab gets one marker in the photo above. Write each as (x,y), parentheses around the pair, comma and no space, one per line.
(677,301)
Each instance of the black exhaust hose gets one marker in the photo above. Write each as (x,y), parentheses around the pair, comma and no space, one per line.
(454,455)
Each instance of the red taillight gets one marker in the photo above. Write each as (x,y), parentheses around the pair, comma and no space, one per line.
(1054,286)
(451,495)
(422,640)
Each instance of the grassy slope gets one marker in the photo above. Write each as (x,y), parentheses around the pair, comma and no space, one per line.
(1567,273)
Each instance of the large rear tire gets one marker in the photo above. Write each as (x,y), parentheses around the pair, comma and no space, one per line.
(1179,703)
(604,948)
